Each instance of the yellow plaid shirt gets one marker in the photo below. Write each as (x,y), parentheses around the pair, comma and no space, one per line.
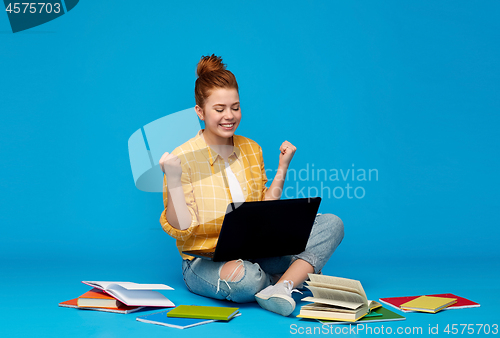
(206,189)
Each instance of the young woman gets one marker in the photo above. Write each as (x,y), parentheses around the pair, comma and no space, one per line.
(215,168)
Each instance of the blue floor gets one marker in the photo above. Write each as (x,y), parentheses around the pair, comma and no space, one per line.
(32,291)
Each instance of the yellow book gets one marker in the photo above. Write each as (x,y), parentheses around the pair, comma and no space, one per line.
(428,304)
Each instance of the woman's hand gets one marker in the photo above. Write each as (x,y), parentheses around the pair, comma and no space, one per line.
(177,213)
(287,150)
(171,166)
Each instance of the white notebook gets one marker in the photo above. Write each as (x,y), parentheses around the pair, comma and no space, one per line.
(134,294)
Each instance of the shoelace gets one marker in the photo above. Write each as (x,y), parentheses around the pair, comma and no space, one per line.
(289,286)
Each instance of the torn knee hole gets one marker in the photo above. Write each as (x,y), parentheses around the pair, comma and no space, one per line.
(232,271)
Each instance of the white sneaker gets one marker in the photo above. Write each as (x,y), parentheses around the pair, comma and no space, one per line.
(277,298)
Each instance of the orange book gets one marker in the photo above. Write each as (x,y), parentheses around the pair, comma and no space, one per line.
(73,303)
(98,298)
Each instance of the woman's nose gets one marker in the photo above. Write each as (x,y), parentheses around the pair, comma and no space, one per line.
(229,114)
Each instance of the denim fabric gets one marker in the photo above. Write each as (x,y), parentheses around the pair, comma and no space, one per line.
(203,276)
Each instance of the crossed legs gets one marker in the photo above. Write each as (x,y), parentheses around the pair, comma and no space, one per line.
(240,280)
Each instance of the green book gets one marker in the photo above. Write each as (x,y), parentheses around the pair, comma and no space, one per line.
(383,315)
(203,312)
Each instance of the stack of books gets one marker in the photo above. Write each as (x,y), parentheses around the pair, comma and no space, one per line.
(120,297)
(335,298)
(429,303)
(185,316)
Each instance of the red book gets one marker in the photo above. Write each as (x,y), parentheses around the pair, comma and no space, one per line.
(461,303)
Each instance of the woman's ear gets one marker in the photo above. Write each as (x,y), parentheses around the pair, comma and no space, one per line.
(199,112)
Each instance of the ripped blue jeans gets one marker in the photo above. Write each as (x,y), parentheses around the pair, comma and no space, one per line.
(203,276)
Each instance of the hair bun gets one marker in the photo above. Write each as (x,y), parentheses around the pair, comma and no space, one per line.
(209,64)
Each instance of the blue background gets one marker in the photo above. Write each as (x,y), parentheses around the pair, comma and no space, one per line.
(409,89)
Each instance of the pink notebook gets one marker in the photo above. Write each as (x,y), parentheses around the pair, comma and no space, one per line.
(461,303)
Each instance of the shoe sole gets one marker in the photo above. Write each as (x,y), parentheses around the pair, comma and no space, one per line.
(279,304)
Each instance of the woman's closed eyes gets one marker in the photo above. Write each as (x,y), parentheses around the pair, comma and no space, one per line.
(221,110)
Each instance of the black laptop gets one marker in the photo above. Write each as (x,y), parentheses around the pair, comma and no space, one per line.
(252,230)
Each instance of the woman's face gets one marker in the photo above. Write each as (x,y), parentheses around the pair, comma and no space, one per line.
(221,114)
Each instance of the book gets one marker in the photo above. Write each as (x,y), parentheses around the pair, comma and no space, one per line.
(203,312)
(336,298)
(385,315)
(134,294)
(128,285)
(428,304)
(161,318)
(98,298)
(462,303)
(73,303)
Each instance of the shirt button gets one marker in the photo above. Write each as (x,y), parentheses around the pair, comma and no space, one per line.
(244,188)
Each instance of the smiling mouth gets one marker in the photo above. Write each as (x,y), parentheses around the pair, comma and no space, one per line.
(227,125)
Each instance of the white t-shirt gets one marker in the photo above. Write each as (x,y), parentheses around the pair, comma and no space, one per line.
(234,185)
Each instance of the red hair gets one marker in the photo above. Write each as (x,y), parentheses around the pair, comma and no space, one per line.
(212,74)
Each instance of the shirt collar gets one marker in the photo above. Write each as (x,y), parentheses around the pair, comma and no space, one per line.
(202,145)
